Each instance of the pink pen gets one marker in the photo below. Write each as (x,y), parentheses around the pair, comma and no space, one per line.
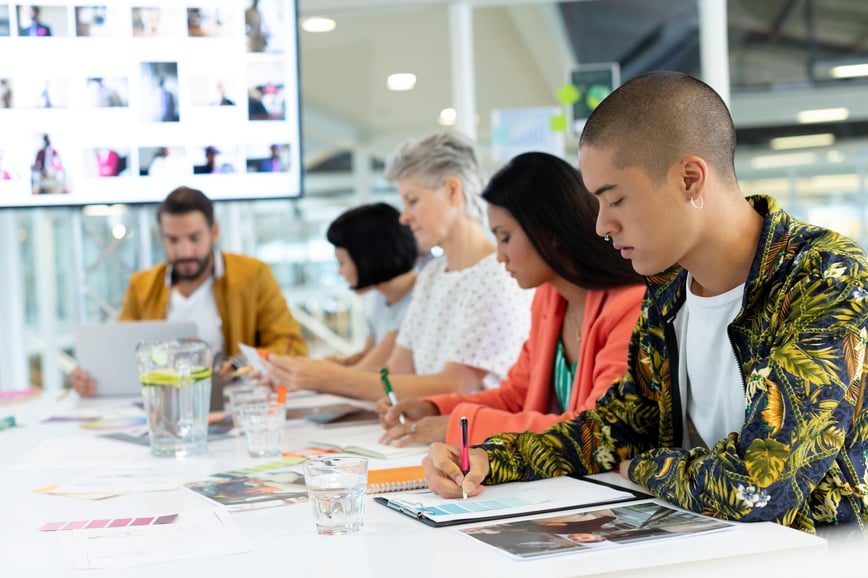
(465,453)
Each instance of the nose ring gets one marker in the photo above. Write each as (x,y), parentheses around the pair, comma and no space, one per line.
(607,237)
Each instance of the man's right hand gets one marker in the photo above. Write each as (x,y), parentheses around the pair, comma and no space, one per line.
(83,384)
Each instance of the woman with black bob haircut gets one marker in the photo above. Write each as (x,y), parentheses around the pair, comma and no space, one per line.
(467,319)
(375,251)
(586,304)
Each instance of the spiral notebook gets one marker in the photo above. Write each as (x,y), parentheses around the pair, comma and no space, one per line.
(396,479)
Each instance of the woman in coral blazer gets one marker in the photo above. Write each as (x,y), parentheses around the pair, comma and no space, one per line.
(586,304)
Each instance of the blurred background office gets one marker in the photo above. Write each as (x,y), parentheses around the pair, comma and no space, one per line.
(375,72)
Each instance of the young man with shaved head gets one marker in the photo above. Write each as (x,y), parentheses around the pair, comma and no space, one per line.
(744,392)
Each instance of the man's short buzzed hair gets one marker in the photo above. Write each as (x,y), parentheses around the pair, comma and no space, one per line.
(655,119)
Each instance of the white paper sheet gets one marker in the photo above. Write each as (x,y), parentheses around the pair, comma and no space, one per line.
(196,533)
(121,480)
(83,451)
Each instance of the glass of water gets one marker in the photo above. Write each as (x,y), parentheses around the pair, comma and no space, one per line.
(336,487)
(264,424)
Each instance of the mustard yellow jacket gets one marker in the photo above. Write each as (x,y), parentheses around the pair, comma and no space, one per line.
(248,298)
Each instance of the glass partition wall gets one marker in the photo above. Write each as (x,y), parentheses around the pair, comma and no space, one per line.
(74,263)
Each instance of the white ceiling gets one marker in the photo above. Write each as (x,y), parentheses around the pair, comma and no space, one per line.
(523,49)
(518,63)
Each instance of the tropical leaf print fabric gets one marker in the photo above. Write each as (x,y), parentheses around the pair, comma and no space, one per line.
(800,340)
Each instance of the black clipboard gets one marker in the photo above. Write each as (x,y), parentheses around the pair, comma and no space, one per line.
(399,504)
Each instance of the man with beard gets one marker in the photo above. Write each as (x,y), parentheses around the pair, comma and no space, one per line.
(231,298)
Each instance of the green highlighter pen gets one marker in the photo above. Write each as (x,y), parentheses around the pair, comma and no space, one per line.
(384,377)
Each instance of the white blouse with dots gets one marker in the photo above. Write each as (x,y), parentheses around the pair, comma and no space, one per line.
(477,316)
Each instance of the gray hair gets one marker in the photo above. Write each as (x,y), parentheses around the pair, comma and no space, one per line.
(437,157)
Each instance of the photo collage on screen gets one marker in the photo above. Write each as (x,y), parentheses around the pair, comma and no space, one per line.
(123,101)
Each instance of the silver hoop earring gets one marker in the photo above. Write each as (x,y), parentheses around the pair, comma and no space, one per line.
(694,204)
(607,237)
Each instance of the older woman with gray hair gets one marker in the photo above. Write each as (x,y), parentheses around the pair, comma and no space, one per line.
(467,319)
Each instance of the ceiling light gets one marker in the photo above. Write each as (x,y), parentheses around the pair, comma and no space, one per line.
(401,81)
(823,115)
(786,160)
(835,157)
(104,210)
(802,141)
(849,70)
(448,116)
(318,24)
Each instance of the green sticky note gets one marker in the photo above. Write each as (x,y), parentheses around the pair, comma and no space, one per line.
(568,94)
(558,123)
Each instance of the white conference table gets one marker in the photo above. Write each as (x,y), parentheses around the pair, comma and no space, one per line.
(284,541)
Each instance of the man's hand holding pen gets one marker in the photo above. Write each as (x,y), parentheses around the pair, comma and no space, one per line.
(443,470)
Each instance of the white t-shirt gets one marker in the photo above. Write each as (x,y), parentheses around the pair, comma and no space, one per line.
(715,387)
(477,316)
(200,308)
(383,318)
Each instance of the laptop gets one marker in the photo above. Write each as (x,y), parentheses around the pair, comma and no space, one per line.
(107,351)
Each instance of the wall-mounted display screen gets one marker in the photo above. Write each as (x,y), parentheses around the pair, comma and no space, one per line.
(122,102)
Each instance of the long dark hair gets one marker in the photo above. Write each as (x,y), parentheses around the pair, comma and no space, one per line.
(545,195)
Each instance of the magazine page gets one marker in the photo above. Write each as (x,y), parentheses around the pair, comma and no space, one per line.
(613,527)
(271,484)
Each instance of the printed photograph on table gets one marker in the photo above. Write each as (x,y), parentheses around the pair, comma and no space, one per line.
(593,530)
(262,469)
(255,490)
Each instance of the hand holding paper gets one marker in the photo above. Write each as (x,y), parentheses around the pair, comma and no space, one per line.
(254,358)
(304,373)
